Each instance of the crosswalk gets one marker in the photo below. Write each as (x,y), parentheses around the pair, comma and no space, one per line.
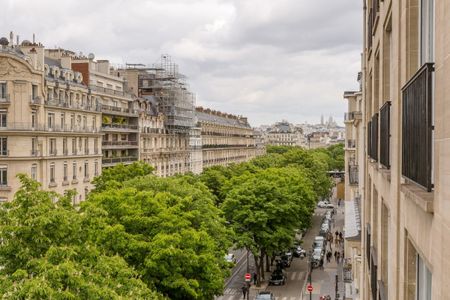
(237,297)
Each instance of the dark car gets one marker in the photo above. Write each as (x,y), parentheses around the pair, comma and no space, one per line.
(299,252)
(286,261)
(278,277)
(265,295)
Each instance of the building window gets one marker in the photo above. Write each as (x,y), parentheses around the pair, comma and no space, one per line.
(86,169)
(86,146)
(51,120)
(65,150)
(2,90)
(34,91)
(426,31)
(63,121)
(94,123)
(3,175)
(3,146)
(33,119)
(96,145)
(34,171)
(74,146)
(424,280)
(3,118)
(52,173)
(84,122)
(79,144)
(52,146)
(65,171)
(74,170)
(72,121)
(34,146)
(96,168)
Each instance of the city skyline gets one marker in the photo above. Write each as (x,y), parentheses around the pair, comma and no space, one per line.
(231,66)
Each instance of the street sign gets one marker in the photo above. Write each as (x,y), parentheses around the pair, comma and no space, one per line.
(248,276)
(309,288)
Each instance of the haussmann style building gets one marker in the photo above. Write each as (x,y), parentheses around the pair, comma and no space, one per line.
(405,210)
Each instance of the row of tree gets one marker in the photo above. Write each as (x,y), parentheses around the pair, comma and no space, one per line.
(142,237)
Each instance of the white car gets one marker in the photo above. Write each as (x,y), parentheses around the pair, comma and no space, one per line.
(329,205)
(230,258)
(322,204)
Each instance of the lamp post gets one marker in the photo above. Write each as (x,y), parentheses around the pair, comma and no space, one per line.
(309,261)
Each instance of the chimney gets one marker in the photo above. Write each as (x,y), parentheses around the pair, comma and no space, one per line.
(34,39)
(11,38)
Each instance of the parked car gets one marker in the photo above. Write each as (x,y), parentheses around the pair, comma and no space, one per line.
(278,277)
(328,215)
(289,254)
(322,204)
(265,295)
(299,252)
(329,205)
(286,261)
(230,258)
(317,255)
(319,241)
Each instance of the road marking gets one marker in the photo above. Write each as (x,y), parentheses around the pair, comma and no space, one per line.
(230,291)
(293,275)
(293,298)
(300,275)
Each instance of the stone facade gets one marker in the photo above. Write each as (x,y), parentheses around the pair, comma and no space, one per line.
(50,123)
(64,116)
(406,211)
(226,138)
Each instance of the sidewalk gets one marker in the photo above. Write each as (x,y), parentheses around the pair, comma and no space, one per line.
(324,281)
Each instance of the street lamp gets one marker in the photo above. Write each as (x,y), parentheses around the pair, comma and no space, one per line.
(310,269)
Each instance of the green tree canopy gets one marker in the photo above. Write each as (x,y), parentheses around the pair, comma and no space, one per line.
(45,253)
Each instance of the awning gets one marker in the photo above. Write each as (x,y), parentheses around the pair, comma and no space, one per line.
(352,226)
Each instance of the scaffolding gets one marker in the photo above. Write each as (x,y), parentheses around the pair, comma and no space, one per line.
(174,99)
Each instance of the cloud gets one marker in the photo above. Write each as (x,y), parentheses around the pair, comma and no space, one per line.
(265,59)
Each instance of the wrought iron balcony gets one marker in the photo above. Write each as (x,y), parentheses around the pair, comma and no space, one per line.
(385,134)
(351,144)
(353,115)
(114,160)
(353,174)
(372,135)
(417,127)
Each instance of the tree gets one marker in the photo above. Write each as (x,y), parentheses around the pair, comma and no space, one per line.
(266,207)
(114,177)
(45,254)
(168,229)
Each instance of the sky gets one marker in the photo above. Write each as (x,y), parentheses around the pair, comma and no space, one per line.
(265,59)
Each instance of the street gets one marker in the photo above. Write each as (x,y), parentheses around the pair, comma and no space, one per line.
(323,281)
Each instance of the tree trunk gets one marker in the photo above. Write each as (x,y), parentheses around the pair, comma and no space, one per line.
(261,259)
(258,270)
(267,263)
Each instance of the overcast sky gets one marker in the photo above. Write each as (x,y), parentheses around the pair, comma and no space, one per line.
(265,59)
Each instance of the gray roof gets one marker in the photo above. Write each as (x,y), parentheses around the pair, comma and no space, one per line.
(206,117)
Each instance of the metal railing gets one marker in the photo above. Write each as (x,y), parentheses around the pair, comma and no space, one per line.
(385,134)
(353,174)
(109,91)
(353,115)
(351,143)
(113,160)
(373,137)
(109,108)
(119,126)
(417,127)
(74,105)
(119,143)
(28,126)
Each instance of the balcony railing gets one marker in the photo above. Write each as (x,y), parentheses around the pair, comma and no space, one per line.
(109,91)
(74,105)
(351,144)
(353,115)
(119,143)
(115,109)
(119,126)
(373,137)
(353,174)
(24,126)
(114,160)
(417,127)
(385,134)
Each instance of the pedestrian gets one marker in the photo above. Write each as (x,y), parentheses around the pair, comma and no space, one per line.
(338,256)
(328,256)
(341,235)
(255,278)
(244,290)
(335,255)
(321,263)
